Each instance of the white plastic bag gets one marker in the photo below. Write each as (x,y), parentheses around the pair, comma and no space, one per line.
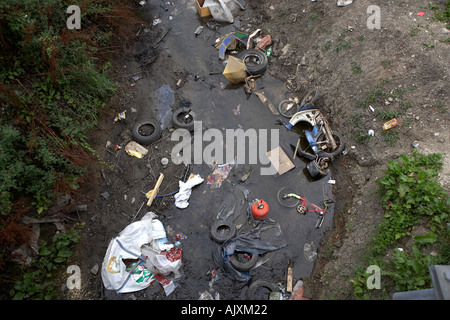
(128,245)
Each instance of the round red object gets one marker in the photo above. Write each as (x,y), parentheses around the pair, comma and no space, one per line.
(260,209)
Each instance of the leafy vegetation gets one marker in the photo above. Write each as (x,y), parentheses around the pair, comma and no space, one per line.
(411,195)
(39,283)
(54,84)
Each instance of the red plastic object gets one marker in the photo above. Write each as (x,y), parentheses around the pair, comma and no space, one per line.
(260,209)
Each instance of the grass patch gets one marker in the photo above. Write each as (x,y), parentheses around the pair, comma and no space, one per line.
(356,69)
(411,196)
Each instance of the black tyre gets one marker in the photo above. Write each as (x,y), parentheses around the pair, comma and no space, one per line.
(223,230)
(255,60)
(340,142)
(242,263)
(146,131)
(184,118)
(311,97)
(287,108)
(250,294)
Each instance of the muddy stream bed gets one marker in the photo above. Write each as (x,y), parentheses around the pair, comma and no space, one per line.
(176,68)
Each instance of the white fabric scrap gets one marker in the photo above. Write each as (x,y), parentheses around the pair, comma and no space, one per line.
(183,195)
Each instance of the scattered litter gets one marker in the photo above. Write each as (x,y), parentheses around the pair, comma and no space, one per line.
(206,295)
(235,70)
(390,124)
(246,176)
(229,42)
(420,13)
(94,269)
(135,149)
(371,132)
(151,195)
(219,174)
(142,3)
(164,161)
(202,10)
(249,242)
(120,116)
(371,109)
(343,3)
(237,110)
(332,181)
(297,293)
(260,209)
(309,251)
(184,193)
(142,242)
(415,144)
(180,236)
(136,78)
(156,21)
(168,285)
(221,10)
(198,30)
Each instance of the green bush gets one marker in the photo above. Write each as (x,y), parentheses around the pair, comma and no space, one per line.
(54,83)
(411,195)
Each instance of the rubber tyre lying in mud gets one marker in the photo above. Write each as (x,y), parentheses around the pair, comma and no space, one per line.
(223,230)
(255,60)
(243,265)
(250,293)
(184,118)
(146,131)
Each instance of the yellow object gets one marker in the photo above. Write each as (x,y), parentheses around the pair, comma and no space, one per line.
(235,70)
(152,193)
(135,149)
(391,123)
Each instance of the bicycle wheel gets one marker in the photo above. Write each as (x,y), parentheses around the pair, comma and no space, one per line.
(310,98)
(287,108)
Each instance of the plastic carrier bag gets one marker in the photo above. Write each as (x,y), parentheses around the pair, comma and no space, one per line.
(132,244)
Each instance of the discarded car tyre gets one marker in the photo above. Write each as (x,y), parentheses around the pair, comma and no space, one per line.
(146,131)
(243,265)
(255,60)
(184,118)
(223,230)
(250,293)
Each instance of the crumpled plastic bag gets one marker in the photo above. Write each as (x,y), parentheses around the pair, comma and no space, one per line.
(222,10)
(131,244)
(184,193)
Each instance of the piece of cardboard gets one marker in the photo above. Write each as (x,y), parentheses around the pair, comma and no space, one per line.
(202,11)
(282,163)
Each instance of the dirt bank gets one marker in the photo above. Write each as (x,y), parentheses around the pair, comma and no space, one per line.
(322,45)
(316,44)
